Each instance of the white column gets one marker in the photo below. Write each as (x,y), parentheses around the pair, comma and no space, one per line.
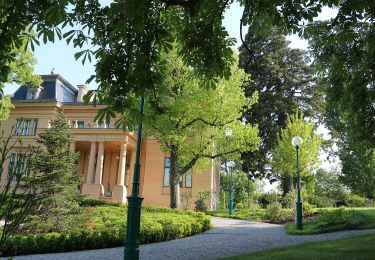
(73,146)
(99,164)
(91,168)
(119,192)
(122,166)
(4,174)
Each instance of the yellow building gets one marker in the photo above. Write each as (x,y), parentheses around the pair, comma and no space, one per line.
(106,154)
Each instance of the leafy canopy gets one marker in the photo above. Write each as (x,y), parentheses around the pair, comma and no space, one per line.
(345,56)
(21,71)
(127,37)
(5,107)
(284,155)
(202,122)
(195,125)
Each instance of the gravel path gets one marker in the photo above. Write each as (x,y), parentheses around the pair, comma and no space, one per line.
(228,237)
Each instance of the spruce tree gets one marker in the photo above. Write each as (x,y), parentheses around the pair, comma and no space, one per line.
(55,167)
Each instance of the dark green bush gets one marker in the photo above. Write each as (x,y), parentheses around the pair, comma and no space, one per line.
(321,201)
(269,198)
(108,230)
(308,209)
(339,219)
(276,214)
(62,242)
(201,201)
(86,202)
(354,200)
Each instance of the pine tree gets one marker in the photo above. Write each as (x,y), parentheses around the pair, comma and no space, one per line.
(55,165)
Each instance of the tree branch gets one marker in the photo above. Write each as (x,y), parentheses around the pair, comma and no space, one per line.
(213,123)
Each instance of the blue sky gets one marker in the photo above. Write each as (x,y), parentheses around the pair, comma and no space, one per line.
(60,56)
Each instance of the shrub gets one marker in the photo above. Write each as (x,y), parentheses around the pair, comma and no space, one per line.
(289,200)
(186,200)
(86,202)
(308,209)
(276,214)
(354,200)
(106,228)
(269,198)
(201,201)
(321,201)
(339,219)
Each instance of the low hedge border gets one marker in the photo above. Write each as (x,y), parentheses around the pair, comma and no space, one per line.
(155,229)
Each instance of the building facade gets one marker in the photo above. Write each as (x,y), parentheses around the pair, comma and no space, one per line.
(106,154)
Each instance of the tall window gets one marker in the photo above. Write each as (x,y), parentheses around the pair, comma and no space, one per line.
(101,125)
(18,165)
(26,126)
(188,177)
(12,162)
(167,167)
(80,124)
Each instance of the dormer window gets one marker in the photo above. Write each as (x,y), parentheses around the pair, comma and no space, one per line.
(33,93)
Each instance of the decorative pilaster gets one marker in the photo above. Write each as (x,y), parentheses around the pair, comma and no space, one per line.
(120,191)
(73,146)
(4,173)
(99,164)
(99,167)
(122,166)
(90,171)
(90,188)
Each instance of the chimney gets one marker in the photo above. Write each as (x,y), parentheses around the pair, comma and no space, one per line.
(82,90)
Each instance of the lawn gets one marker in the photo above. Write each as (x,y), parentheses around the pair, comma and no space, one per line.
(351,218)
(358,247)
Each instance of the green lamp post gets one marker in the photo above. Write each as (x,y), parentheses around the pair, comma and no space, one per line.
(134,204)
(231,193)
(297,142)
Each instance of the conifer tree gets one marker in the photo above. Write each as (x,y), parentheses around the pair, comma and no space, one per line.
(55,166)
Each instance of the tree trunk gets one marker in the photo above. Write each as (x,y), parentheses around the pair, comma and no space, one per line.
(174,179)
(286,184)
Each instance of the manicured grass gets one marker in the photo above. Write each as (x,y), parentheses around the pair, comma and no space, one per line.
(358,247)
(312,226)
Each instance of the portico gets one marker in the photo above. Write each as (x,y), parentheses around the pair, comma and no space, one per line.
(105,165)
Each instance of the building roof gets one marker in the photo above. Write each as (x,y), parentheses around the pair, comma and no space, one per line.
(53,88)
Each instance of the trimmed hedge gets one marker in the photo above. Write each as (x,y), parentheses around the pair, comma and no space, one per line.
(109,230)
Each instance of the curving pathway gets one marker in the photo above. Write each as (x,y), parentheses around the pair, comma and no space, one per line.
(229,237)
